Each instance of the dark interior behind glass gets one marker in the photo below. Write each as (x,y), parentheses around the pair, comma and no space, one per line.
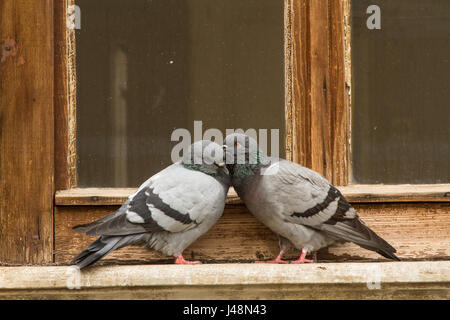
(401,95)
(145,68)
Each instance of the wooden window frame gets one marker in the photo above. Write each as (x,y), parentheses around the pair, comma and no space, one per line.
(26,132)
(317,107)
(318,124)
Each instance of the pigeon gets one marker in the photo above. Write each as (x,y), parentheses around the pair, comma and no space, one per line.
(305,210)
(169,211)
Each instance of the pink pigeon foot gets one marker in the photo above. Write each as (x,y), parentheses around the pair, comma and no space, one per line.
(181,260)
(302,259)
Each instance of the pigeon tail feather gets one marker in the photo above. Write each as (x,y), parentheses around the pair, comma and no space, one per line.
(98,249)
(84,228)
(357,232)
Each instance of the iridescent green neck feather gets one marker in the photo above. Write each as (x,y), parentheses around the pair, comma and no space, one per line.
(243,173)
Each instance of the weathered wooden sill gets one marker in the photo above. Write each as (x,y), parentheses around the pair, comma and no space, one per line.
(354,193)
(389,280)
(109,196)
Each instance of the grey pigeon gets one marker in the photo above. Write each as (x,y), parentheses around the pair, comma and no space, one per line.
(169,211)
(298,204)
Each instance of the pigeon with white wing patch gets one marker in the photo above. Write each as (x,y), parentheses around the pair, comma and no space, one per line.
(297,203)
(169,211)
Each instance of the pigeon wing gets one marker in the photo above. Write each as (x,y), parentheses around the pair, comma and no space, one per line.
(176,200)
(312,201)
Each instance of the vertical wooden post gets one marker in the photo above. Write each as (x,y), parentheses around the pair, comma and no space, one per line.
(317,105)
(26,131)
(65,98)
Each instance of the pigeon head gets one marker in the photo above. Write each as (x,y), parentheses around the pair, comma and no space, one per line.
(207,157)
(242,151)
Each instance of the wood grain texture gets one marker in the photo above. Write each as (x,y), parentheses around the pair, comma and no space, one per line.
(110,196)
(390,291)
(388,280)
(62,180)
(320,88)
(418,231)
(64,98)
(396,193)
(318,110)
(298,75)
(26,137)
(337,152)
(353,193)
(72,102)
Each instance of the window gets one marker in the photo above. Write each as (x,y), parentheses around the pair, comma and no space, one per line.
(401,101)
(145,68)
(219,63)
(228,51)
(301,64)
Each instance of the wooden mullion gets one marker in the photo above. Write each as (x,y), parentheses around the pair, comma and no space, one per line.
(298,82)
(338,98)
(319,108)
(320,88)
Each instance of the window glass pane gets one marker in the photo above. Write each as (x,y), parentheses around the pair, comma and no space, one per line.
(145,68)
(401,96)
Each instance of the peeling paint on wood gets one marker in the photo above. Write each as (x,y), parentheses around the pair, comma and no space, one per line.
(353,193)
(316,101)
(65,99)
(418,231)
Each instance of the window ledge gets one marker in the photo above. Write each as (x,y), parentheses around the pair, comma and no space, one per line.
(109,196)
(357,193)
(388,280)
